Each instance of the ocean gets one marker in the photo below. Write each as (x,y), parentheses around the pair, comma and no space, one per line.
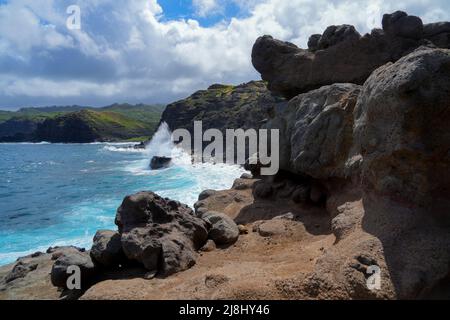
(61,194)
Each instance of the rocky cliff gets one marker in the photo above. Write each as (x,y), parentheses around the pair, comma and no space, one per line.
(223,107)
(385,144)
(360,209)
(341,54)
(18,129)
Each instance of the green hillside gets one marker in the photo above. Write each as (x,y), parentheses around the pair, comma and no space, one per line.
(116,122)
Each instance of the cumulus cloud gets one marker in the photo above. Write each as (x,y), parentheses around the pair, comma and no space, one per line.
(206,7)
(129,51)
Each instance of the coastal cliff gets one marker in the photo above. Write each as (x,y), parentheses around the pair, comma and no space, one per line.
(77,124)
(363,187)
(223,107)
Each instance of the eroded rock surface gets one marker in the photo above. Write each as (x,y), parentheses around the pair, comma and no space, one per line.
(223,230)
(316,130)
(401,128)
(341,55)
(379,155)
(107,249)
(61,269)
(162,234)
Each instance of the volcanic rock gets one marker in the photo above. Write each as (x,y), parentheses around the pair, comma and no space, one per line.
(340,55)
(401,128)
(160,233)
(223,229)
(159,162)
(107,248)
(60,274)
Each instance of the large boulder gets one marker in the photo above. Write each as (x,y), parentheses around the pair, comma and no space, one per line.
(336,34)
(395,217)
(107,249)
(400,24)
(162,234)
(60,270)
(340,55)
(316,131)
(224,230)
(313,42)
(401,128)
(206,194)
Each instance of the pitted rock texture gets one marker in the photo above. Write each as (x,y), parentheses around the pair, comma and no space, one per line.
(162,234)
(341,54)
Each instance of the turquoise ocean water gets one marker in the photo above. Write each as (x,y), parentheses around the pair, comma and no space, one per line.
(60,194)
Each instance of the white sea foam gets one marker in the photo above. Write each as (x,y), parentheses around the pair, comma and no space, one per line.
(194,177)
(182,181)
(122,149)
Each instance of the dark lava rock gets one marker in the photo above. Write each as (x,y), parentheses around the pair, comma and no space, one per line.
(206,194)
(162,234)
(107,249)
(263,190)
(223,229)
(59,273)
(160,162)
(341,55)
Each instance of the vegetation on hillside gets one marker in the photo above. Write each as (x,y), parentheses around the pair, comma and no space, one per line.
(80,124)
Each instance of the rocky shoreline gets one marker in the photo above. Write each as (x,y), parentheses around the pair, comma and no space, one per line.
(364,182)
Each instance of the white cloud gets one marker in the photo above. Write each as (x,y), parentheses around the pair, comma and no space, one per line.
(206,7)
(127,50)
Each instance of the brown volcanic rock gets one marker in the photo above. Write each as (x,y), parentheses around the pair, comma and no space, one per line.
(340,55)
(224,231)
(394,213)
(107,249)
(83,260)
(316,131)
(399,24)
(394,129)
(401,128)
(29,277)
(162,234)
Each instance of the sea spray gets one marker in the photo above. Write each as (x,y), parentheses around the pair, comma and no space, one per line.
(162,145)
(65,204)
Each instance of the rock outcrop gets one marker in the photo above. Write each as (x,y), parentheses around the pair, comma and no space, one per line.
(223,230)
(162,234)
(159,162)
(223,107)
(360,207)
(18,130)
(341,54)
(107,249)
(20,270)
(438,33)
(401,129)
(316,131)
(61,268)
(378,155)
(30,276)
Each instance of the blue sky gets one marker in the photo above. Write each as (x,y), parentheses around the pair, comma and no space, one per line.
(158,51)
(184,9)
